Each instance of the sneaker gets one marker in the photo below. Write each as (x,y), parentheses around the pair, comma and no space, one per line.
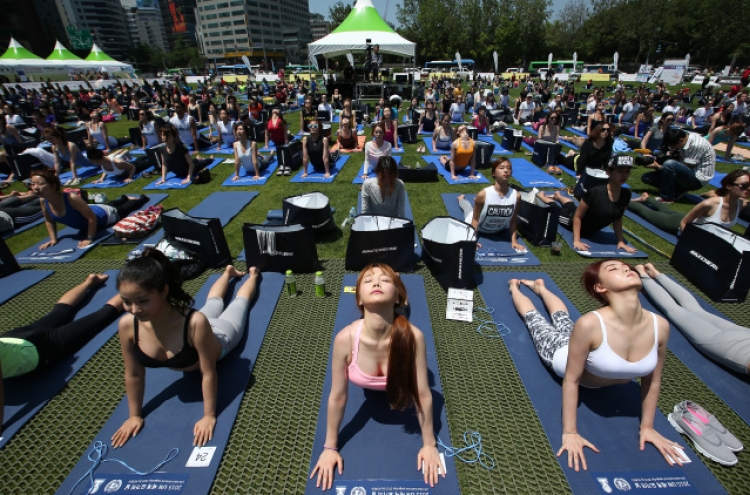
(287,171)
(68,182)
(280,171)
(704,438)
(75,182)
(709,419)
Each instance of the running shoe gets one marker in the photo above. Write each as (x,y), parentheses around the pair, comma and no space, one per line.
(280,170)
(704,438)
(75,182)
(68,182)
(709,419)
(287,171)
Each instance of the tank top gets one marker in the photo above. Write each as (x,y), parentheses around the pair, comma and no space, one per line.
(315,151)
(443,142)
(428,123)
(73,218)
(716,217)
(481,126)
(308,117)
(356,375)
(183,126)
(497,211)
(389,135)
(245,155)
(115,169)
(193,111)
(352,118)
(276,131)
(227,134)
(98,135)
(148,131)
(463,156)
(606,363)
(186,358)
(349,143)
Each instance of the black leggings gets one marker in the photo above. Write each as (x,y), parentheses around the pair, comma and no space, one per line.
(125,205)
(21,213)
(57,336)
(181,169)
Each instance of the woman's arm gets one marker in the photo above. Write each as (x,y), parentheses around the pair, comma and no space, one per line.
(621,244)
(714,118)
(135,382)
(368,148)
(205,343)
(646,137)
(129,167)
(512,227)
(452,162)
(305,156)
(730,147)
(395,133)
(51,227)
(84,209)
(191,165)
(428,454)
(435,135)
(473,164)
(479,200)
(326,158)
(237,160)
(105,137)
(90,140)
(638,126)
(702,209)
(577,220)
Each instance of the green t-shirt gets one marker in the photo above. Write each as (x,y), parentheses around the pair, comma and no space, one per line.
(17,357)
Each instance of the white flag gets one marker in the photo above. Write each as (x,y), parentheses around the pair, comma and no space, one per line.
(494,57)
(314,62)
(458,59)
(616,59)
(350,58)
(549,62)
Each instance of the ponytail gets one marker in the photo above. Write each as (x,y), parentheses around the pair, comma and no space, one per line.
(401,384)
(153,271)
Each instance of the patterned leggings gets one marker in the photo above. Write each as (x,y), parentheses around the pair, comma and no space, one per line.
(551,339)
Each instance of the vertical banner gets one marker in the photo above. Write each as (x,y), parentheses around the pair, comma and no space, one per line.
(314,62)
(575,62)
(178,19)
(549,62)
(350,58)
(458,59)
(494,57)
(616,59)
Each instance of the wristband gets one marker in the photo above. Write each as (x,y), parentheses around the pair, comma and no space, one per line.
(325,447)
(570,433)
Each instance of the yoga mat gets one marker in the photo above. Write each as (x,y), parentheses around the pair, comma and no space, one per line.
(729,386)
(224,205)
(408,213)
(496,249)
(247,179)
(576,132)
(359,180)
(463,175)
(173,403)
(113,181)
(671,238)
(66,249)
(529,175)
(174,182)
(608,417)
(499,150)
(428,147)
(318,177)
(15,283)
(26,395)
(83,172)
(376,442)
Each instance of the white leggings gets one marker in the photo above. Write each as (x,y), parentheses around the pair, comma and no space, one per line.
(228,324)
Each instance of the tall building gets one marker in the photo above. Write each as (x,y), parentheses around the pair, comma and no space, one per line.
(144,21)
(179,20)
(103,19)
(36,25)
(229,29)
(319,27)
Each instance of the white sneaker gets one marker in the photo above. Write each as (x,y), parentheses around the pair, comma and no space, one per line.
(75,182)
(68,182)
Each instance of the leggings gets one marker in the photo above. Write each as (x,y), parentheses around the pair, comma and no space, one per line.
(57,336)
(551,339)
(263,163)
(227,324)
(658,214)
(468,210)
(125,205)
(21,213)
(181,169)
(720,340)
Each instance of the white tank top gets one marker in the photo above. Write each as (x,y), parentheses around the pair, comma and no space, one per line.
(497,211)
(98,135)
(183,128)
(115,169)
(716,217)
(606,363)
(227,134)
(149,132)
(246,156)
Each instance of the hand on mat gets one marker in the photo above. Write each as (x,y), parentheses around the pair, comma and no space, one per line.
(47,244)
(581,246)
(574,444)
(128,430)
(431,459)
(127,181)
(84,243)
(667,447)
(203,431)
(517,247)
(160,182)
(622,245)
(326,462)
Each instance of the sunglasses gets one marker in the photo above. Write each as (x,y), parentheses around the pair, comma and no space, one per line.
(313,126)
(744,186)
(605,129)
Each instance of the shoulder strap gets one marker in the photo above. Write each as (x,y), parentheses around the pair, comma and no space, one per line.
(604,328)
(186,329)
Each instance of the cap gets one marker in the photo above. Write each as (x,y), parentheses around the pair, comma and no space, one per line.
(618,161)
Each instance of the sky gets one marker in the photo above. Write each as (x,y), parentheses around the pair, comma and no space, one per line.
(323,6)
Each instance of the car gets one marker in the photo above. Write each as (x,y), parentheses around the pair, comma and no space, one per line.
(512,69)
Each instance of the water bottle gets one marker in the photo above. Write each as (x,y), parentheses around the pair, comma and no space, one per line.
(320,285)
(291,284)
(352,214)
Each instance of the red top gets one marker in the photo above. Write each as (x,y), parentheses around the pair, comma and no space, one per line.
(276,131)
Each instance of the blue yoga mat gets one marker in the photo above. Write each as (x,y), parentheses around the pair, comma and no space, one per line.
(376,442)
(247,179)
(83,172)
(359,180)
(114,181)
(463,175)
(318,177)
(173,403)
(716,180)
(529,175)
(495,250)
(174,182)
(66,249)
(428,146)
(499,150)
(224,205)
(576,132)
(408,213)
(25,395)
(15,283)
(608,417)
(671,238)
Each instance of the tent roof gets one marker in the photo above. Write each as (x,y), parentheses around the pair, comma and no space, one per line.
(97,55)
(63,54)
(361,24)
(16,51)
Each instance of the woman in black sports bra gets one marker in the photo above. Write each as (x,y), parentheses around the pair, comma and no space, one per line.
(166,332)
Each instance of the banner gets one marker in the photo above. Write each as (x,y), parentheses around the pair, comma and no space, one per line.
(350,58)
(494,57)
(458,60)
(698,80)
(595,77)
(628,77)
(657,75)
(178,19)
(314,63)
(644,71)
(672,74)
(616,59)
(549,62)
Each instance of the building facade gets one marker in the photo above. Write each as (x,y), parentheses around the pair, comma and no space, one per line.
(103,19)
(179,20)
(145,23)
(319,27)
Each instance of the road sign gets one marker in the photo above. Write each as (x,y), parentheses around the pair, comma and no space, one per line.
(79,39)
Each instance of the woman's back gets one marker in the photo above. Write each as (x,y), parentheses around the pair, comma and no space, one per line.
(373,202)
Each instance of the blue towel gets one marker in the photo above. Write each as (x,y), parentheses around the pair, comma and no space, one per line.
(529,175)
(26,395)
(359,180)
(608,417)
(173,403)
(495,250)
(375,441)
(15,283)
(247,179)
(318,177)
(463,175)
(174,182)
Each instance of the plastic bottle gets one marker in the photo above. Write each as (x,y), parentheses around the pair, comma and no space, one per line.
(320,285)
(291,284)
(350,219)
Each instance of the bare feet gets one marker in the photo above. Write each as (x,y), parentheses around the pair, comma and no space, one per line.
(571,153)
(535,285)
(460,198)
(96,279)
(232,272)
(544,197)
(640,199)
(253,271)
(559,197)
(513,284)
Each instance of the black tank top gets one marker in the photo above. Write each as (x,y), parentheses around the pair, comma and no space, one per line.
(186,358)
(315,152)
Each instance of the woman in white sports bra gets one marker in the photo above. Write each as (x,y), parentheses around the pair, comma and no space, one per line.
(97,133)
(610,346)
(246,154)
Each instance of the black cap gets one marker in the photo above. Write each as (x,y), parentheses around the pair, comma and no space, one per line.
(619,161)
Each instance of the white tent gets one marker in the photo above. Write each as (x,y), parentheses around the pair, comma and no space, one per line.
(361,24)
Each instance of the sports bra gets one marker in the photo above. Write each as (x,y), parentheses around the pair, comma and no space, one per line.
(356,375)
(186,358)
(716,217)
(227,134)
(245,154)
(606,363)
(115,169)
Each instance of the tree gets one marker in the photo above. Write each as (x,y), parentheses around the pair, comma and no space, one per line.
(337,13)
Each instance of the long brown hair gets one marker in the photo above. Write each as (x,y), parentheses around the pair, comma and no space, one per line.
(401,382)
(728,180)
(387,171)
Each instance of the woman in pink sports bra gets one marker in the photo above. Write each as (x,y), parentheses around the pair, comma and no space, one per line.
(609,346)
(382,351)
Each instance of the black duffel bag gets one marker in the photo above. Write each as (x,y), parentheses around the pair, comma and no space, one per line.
(290,154)
(715,260)
(512,139)
(483,154)
(380,239)
(278,248)
(537,221)
(427,173)
(311,209)
(545,153)
(203,236)
(408,133)
(449,248)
